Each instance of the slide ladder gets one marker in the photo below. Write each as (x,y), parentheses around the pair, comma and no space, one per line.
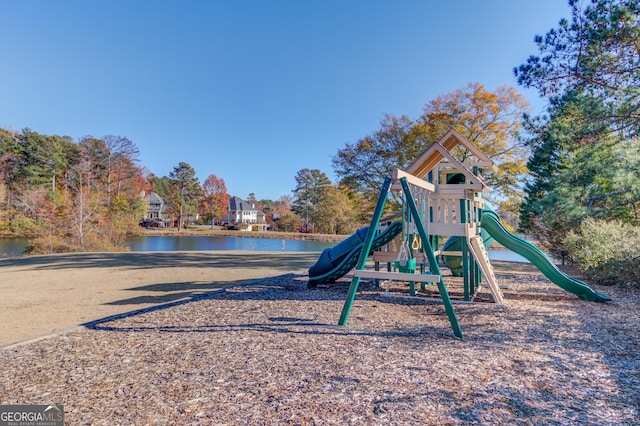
(479,252)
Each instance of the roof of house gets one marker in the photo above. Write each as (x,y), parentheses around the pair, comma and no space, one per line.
(236,203)
(154,198)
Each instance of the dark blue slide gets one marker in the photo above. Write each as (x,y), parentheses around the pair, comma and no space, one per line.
(337,261)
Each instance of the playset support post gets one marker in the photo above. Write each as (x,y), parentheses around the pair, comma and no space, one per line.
(427,250)
(366,248)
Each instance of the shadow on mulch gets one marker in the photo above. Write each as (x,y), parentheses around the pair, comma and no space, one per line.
(283,287)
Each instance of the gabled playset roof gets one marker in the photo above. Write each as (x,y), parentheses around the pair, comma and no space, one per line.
(440,151)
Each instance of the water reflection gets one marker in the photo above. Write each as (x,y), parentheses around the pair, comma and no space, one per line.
(10,247)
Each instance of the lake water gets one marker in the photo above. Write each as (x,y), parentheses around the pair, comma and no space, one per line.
(195,242)
(13,246)
(16,246)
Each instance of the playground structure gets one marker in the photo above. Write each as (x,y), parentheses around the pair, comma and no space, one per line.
(441,196)
(448,195)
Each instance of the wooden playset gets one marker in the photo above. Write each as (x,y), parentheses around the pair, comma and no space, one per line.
(441,196)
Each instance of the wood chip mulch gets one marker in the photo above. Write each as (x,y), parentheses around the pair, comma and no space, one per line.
(269,352)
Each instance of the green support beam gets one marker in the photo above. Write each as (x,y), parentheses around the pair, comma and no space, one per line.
(366,248)
(433,263)
(426,249)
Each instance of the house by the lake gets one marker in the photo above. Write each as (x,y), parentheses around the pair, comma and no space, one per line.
(156,214)
(245,216)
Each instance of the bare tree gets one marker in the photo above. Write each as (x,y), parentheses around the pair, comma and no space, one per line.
(121,156)
(86,200)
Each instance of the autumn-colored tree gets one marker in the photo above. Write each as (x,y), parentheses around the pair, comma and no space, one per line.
(490,120)
(68,195)
(87,201)
(117,180)
(121,155)
(363,165)
(338,213)
(284,219)
(33,164)
(284,203)
(288,222)
(215,198)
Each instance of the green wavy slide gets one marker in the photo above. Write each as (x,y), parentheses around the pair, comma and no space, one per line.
(491,223)
(337,261)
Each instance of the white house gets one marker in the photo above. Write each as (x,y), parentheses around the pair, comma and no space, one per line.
(245,215)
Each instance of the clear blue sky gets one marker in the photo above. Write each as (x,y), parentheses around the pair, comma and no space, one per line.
(251,91)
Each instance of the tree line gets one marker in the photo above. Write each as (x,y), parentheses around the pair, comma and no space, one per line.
(69,195)
(583,193)
(586,155)
(88,194)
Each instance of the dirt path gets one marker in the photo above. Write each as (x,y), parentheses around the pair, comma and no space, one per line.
(41,294)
